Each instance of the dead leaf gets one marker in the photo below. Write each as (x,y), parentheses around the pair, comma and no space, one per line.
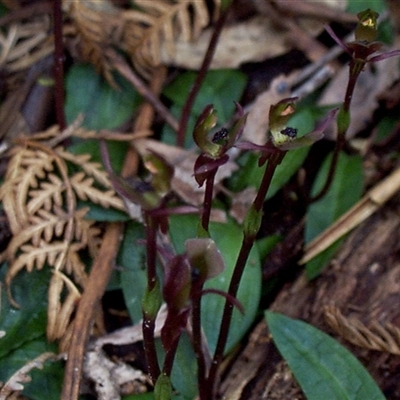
(371,82)
(250,41)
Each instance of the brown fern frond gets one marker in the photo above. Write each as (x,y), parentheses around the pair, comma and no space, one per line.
(141,32)
(59,311)
(24,170)
(376,337)
(84,189)
(95,22)
(48,194)
(91,168)
(160,23)
(39,197)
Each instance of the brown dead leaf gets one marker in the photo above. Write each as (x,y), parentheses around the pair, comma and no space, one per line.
(250,41)
(371,82)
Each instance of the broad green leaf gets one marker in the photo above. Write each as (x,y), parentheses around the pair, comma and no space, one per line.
(345,191)
(323,367)
(98,213)
(28,322)
(228,238)
(103,106)
(117,151)
(250,174)
(184,372)
(220,88)
(132,260)
(46,383)
(25,330)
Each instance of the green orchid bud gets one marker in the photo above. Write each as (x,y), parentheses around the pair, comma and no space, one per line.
(367,27)
(163,388)
(343,120)
(151,302)
(279,115)
(252,222)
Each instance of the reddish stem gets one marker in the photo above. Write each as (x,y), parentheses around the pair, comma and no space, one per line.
(247,244)
(180,138)
(59,64)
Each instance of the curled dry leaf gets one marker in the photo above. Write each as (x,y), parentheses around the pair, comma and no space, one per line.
(15,383)
(40,197)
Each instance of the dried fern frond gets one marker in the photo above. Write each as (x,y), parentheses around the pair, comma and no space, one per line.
(94,22)
(376,337)
(160,23)
(141,32)
(40,196)
(23,44)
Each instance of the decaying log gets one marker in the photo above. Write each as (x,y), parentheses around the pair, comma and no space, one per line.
(363,282)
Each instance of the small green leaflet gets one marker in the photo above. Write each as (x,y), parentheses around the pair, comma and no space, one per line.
(322,366)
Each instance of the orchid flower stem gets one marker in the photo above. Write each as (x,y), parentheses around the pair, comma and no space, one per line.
(356,67)
(149,319)
(151,245)
(59,64)
(197,346)
(208,194)
(180,139)
(169,357)
(247,244)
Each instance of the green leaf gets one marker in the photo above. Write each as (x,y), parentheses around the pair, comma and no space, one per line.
(132,259)
(46,383)
(220,88)
(25,330)
(103,106)
(250,174)
(98,213)
(345,191)
(28,322)
(163,387)
(184,372)
(228,238)
(323,367)
(116,150)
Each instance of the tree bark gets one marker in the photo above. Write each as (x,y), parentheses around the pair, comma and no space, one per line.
(363,282)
